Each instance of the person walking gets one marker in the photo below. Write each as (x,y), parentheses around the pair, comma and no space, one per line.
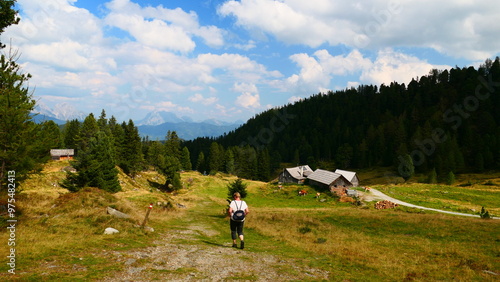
(237,211)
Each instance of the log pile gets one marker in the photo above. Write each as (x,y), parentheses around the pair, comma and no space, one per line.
(385,205)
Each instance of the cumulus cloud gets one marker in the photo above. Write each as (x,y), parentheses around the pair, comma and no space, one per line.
(198,98)
(161,27)
(391,66)
(464,29)
(249,98)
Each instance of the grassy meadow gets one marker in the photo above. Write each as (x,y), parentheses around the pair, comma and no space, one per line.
(60,234)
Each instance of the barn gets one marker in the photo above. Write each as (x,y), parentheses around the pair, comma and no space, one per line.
(62,154)
(295,174)
(349,175)
(332,181)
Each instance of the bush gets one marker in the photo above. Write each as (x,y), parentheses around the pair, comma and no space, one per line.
(236,186)
(484,213)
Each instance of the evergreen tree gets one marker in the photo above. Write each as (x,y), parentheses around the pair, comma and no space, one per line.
(156,154)
(215,158)
(71,131)
(432,178)
(450,180)
(131,158)
(16,103)
(236,186)
(173,145)
(8,16)
(406,169)
(186,159)
(229,161)
(95,167)
(88,131)
(200,163)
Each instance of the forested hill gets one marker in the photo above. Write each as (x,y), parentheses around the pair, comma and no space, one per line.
(448,120)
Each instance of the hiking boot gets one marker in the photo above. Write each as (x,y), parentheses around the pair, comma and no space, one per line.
(242,246)
(235,246)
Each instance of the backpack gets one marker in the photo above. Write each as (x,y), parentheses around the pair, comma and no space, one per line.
(239,214)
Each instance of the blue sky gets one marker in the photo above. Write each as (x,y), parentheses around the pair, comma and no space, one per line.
(230,60)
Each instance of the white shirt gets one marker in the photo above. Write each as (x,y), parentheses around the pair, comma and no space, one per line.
(238,205)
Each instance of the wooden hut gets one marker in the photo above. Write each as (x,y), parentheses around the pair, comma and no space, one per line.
(62,154)
(349,175)
(332,181)
(295,174)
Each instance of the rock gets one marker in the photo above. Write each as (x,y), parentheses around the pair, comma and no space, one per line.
(109,231)
(117,213)
(149,229)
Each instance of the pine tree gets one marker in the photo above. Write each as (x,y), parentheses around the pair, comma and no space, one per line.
(131,158)
(186,159)
(229,161)
(16,127)
(236,186)
(450,180)
(200,163)
(71,131)
(95,167)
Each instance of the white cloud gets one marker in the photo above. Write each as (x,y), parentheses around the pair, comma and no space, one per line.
(247,100)
(393,66)
(250,95)
(198,98)
(160,27)
(467,29)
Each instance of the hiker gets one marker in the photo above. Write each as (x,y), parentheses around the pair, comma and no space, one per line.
(236,221)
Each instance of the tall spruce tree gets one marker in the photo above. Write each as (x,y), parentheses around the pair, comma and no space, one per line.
(95,167)
(16,127)
(131,158)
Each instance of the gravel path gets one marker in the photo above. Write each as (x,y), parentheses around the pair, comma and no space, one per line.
(375,194)
(184,255)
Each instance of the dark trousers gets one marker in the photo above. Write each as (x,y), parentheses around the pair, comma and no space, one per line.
(236,228)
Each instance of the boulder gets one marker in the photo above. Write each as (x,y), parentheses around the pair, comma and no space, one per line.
(109,231)
(117,213)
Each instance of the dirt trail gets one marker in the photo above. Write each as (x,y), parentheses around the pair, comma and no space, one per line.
(375,194)
(184,255)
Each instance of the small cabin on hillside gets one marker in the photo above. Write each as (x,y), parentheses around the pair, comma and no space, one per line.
(349,175)
(332,181)
(62,154)
(295,174)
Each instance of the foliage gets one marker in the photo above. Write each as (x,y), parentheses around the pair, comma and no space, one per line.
(236,186)
(16,102)
(95,167)
(8,16)
(484,214)
(450,180)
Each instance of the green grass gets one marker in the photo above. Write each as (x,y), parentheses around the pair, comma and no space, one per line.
(468,199)
(60,238)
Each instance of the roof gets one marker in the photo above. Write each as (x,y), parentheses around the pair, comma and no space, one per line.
(324,176)
(62,152)
(349,175)
(295,172)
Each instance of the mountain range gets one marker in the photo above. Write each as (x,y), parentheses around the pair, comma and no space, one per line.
(154,125)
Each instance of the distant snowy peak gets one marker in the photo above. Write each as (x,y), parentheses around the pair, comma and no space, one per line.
(62,111)
(159,117)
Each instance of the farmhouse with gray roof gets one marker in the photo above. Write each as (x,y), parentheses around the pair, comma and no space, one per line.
(349,175)
(295,174)
(328,180)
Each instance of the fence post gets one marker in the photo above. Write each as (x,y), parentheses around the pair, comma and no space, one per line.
(147,215)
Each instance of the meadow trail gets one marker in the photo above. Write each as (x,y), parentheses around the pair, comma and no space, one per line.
(193,250)
(375,194)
